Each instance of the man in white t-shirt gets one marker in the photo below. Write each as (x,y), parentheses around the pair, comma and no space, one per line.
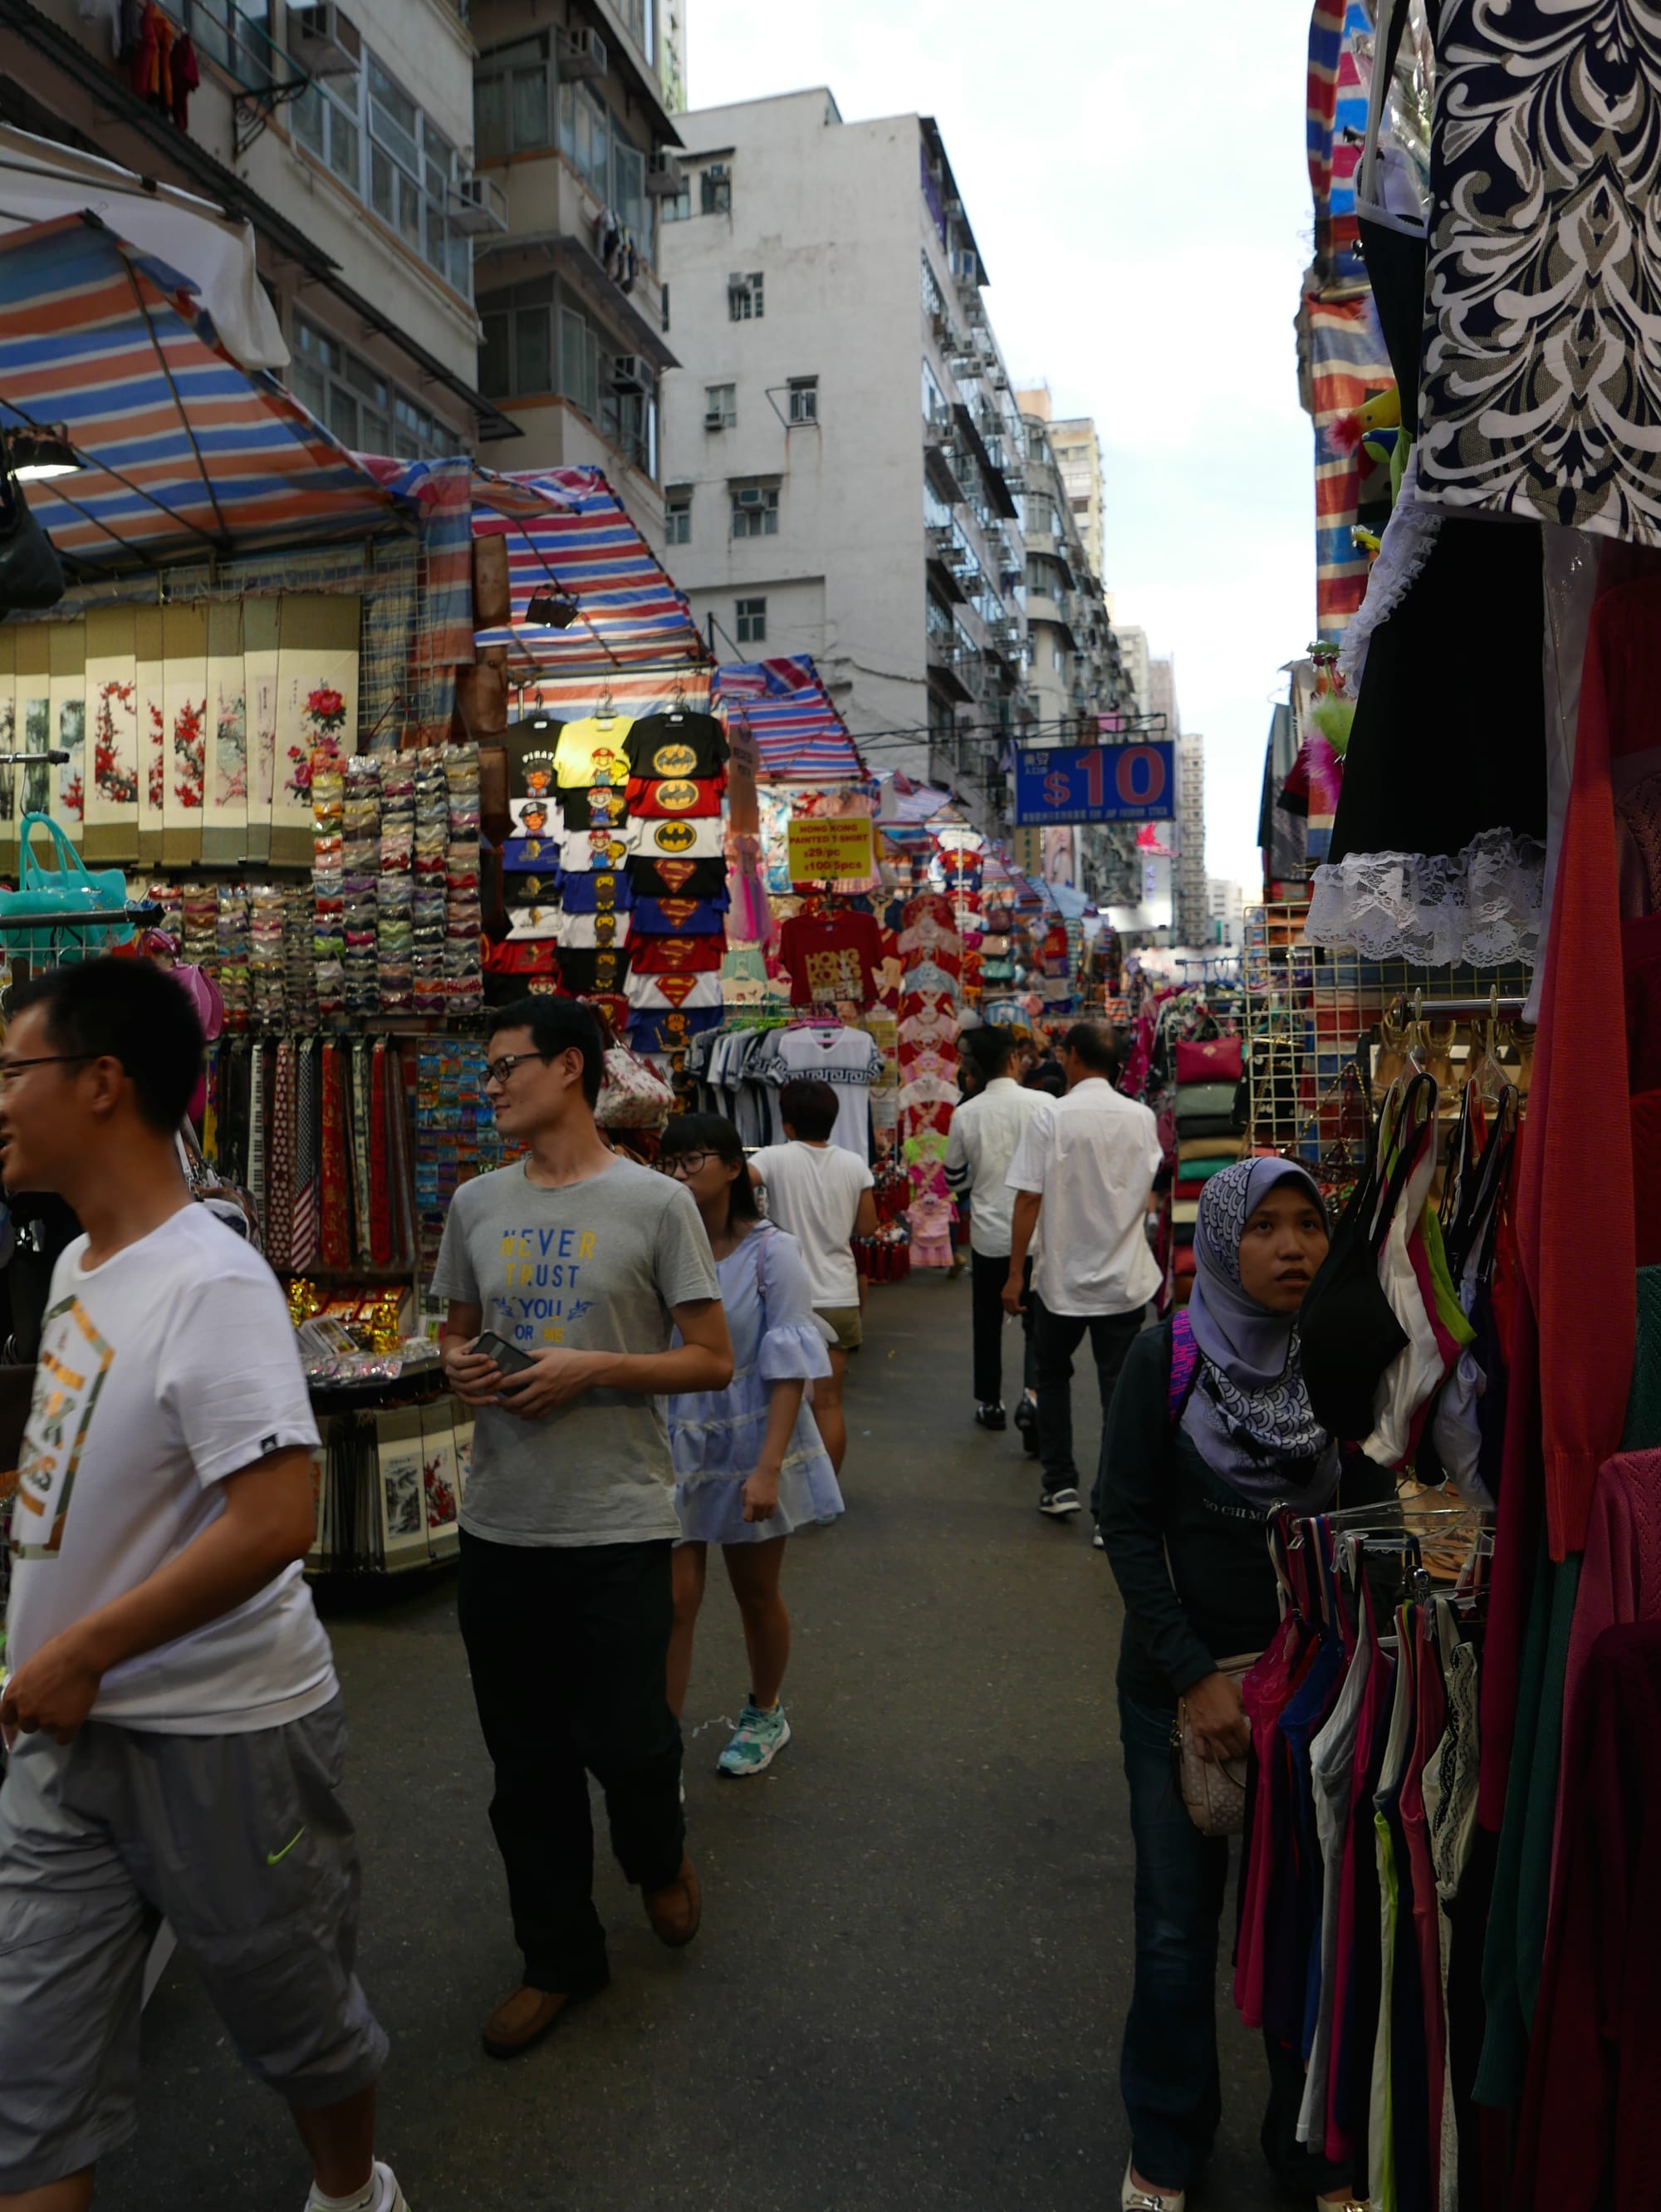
(986,1128)
(172,1711)
(1088,1160)
(824,1196)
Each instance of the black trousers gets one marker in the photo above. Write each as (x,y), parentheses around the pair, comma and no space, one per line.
(1056,1338)
(987,1277)
(568,1646)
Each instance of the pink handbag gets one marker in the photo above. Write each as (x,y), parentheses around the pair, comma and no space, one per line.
(1210,1059)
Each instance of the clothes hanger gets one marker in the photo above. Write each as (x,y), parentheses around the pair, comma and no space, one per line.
(605,712)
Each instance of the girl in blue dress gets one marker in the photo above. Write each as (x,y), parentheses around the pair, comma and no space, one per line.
(749,1467)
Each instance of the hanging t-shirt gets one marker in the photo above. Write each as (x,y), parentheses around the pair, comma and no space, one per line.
(679,917)
(593,1266)
(680,840)
(523,958)
(846,1059)
(598,889)
(532,921)
(536,818)
(161,1371)
(660,875)
(832,957)
(593,805)
(583,851)
(587,932)
(530,853)
(676,798)
(587,972)
(530,743)
(528,890)
(593,750)
(676,745)
(667,956)
(672,1032)
(674,994)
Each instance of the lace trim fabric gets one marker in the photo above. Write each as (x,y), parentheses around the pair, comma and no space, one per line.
(1405,547)
(1481,906)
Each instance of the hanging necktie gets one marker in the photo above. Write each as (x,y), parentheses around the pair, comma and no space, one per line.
(337,1245)
(210,1106)
(403,1196)
(303,1242)
(257,1140)
(280,1162)
(380,1216)
(358,1106)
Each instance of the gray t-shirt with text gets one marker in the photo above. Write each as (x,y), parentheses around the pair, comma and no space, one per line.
(592,1266)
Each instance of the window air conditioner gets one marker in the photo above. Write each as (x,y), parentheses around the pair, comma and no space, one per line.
(966,267)
(665,178)
(750,495)
(629,373)
(718,171)
(322,39)
(714,419)
(581,56)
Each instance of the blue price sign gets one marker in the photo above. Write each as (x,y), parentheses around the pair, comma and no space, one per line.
(1100,783)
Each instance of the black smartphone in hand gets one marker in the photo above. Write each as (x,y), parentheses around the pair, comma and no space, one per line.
(507,1357)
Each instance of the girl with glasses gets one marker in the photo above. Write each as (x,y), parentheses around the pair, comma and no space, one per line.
(749,1466)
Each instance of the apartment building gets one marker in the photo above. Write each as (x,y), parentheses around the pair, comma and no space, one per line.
(843,470)
(574,135)
(1225,906)
(1192,908)
(1078,457)
(344,136)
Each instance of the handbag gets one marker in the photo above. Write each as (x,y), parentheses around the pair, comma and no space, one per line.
(1209,1060)
(61,900)
(632,1095)
(1213,1791)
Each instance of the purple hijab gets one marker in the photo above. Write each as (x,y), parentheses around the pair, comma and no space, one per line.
(1248,1415)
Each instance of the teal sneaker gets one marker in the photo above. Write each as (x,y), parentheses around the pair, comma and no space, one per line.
(758,1739)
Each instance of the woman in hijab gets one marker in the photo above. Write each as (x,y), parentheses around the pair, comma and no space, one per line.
(1187,1481)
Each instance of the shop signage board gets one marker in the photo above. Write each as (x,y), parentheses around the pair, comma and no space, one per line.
(1097,783)
(828,849)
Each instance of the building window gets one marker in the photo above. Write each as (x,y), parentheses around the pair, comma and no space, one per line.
(518,353)
(720,406)
(536,344)
(679,210)
(365,412)
(804,399)
(755,511)
(677,518)
(513,111)
(715,193)
(745,303)
(752,621)
(374,139)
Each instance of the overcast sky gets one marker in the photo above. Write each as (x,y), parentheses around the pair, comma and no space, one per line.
(1135,177)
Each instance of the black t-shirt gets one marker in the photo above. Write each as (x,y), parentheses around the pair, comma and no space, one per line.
(530,743)
(677,745)
(654,876)
(603,969)
(585,806)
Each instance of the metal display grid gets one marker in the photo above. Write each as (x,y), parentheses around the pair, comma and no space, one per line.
(1309,1009)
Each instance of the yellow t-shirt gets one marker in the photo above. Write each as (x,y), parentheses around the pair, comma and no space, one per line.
(592,753)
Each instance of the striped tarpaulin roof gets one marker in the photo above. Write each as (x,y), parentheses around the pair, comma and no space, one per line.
(1347,365)
(568,530)
(185,451)
(1335,129)
(798,732)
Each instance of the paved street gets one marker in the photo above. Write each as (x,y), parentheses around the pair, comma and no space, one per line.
(915,1951)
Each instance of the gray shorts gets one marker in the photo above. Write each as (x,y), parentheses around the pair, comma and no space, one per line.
(240,1843)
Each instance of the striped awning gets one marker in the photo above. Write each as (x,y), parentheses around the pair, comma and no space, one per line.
(569,533)
(799,734)
(186,454)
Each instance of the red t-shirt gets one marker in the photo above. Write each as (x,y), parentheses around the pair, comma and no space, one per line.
(831,959)
(682,956)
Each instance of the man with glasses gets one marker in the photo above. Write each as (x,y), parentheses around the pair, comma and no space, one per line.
(172,1714)
(579,1265)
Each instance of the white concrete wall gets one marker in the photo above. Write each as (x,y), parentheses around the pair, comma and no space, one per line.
(831,214)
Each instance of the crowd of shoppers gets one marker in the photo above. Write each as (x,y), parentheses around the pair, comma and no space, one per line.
(654,1366)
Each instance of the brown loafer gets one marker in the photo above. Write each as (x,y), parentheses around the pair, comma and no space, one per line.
(524,2019)
(676,1911)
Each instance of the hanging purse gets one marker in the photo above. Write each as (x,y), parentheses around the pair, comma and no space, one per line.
(632,1095)
(62,900)
(1213,1790)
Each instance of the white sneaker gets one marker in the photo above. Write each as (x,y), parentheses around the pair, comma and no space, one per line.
(1133,2199)
(385,2195)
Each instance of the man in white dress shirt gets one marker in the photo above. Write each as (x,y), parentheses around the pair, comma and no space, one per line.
(1087,1163)
(986,1129)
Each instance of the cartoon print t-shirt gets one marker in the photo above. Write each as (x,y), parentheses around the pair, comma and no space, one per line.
(161,1371)
(591,1266)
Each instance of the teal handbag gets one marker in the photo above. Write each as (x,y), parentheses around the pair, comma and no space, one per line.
(63,900)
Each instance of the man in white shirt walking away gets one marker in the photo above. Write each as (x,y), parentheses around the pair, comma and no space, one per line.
(823,1195)
(986,1129)
(1087,1163)
(172,1714)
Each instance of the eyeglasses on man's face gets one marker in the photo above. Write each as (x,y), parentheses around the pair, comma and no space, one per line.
(11,1069)
(498,1071)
